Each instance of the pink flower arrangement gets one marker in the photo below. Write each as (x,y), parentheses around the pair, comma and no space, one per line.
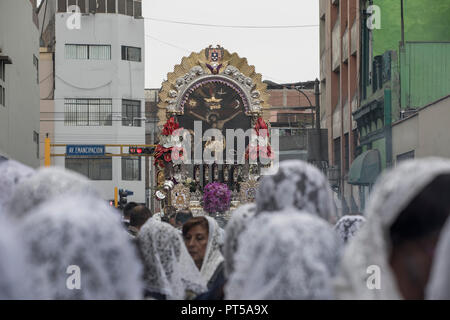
(216,197)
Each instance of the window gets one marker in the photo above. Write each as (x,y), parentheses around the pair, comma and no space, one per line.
(137,9)
(131,169)
(337,152)
(88,112)
(36,140)
(2,70)
(129,7)
(2,96)
(131,53)
(121,6)
(99,168)
(101,6)
(88,52)
(131,113)
(62,6)
(36,65)
(111,6)
(346,151)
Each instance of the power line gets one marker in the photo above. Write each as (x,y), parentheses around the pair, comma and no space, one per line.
(230,26)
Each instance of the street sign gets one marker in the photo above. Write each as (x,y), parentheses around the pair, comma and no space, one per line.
(85,150)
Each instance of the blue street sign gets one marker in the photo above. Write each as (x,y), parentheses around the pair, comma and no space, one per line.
(85,150)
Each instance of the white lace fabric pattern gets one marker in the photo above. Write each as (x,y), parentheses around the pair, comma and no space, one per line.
(240,218)
(297,185)
(85,233)
(285,256)
(393,191)
(169,268)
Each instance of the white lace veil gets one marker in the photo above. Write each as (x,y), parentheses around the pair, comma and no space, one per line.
(14,274)
(285,256)
(45,184)
(169,268)
(11,174)
(85,233)
(213,257)
(392,193)
(348,226)
(240,218)
(297,185)
(438,287)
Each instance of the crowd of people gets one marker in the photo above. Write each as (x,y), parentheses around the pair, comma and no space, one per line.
(60,240)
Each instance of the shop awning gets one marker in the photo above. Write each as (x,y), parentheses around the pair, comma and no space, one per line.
(365,168)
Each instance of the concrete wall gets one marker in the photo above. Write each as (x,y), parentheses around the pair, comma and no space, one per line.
(426,132)
(19,39)
(115,79)
(46,79)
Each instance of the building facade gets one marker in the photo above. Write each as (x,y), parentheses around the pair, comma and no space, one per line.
(400,71)
(19,81)
(98,88)
(339,68)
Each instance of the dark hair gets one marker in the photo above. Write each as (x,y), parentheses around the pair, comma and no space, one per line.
(425,214)
(170,211)
(127,209)
(196,221)
(183,216)
(139,215)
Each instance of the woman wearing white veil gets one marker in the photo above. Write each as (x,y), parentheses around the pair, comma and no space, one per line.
(46,184)
(390,257)
(238,223)
(285,256)
(348,226)
(439,285)
(11,174)
(210,260)
(77,249)
(169,271)
(299,186)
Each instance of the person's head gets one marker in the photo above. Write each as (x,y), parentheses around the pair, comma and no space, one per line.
(414,236)
(195,234)
(296,185)
(238,223)
(182,217)
(139,215)
(168,267)
(287,256)
(44,185)
(94,242)
(169,215)
(348,226)
(127,209)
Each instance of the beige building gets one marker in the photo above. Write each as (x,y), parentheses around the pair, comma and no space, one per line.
(46,79)
(424,133)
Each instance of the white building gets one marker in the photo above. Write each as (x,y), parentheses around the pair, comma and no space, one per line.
(99,88)
(19,81)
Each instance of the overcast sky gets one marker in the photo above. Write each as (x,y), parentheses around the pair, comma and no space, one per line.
(280,55)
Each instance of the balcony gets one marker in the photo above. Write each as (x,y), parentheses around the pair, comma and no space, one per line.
(323,66)
(354,38)
(322,8)
(345,46)
(336,45)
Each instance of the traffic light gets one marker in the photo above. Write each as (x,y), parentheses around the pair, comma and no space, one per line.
(141,150)
(123,197)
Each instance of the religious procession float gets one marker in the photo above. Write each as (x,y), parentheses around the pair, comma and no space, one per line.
(198,163)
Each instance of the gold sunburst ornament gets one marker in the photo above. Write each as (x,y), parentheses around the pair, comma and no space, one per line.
(213,64)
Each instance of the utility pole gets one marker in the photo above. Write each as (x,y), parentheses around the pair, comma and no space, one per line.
(403,24)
